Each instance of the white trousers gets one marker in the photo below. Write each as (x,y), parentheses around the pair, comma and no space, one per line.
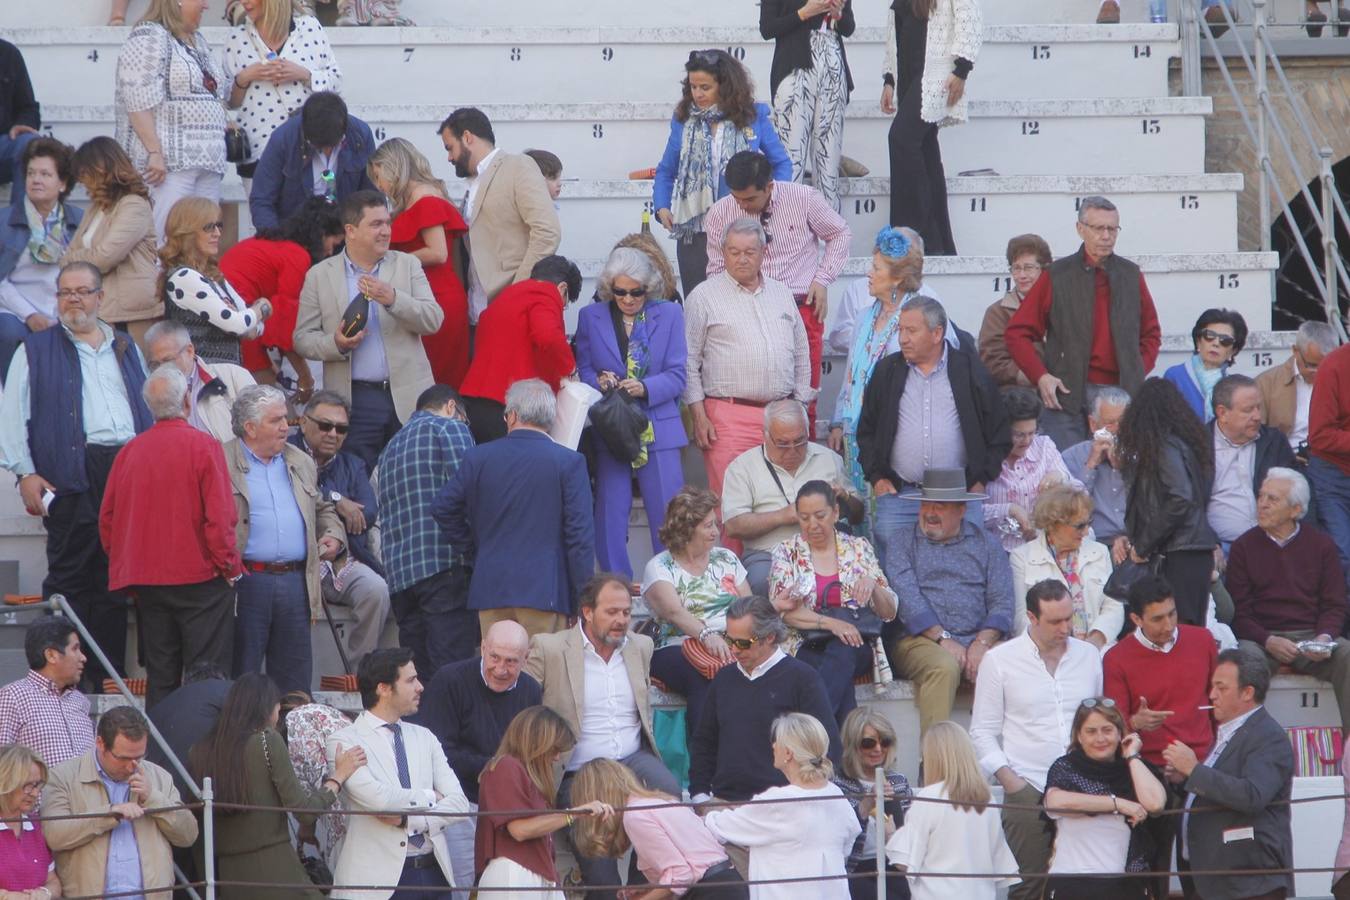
(176,186)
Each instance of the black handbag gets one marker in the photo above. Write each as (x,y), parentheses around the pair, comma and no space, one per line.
(236,145)
(863,618)
(1124,576)
(619,422)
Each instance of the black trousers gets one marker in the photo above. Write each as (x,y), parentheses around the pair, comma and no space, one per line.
(1188,571)
(692,258)
(77,566)
(435,622)
(1069,887)
(182,624)
(897,886)
(918,182)
(485,419)
(724,885)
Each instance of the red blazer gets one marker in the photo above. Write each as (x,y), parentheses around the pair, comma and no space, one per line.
(520,335)
(168,512)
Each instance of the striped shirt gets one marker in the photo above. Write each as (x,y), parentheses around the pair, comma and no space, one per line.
(52,722)
(413,468)
(1020,482)
(745,344)
(797,220)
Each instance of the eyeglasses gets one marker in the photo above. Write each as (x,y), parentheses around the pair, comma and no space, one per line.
(1082,526)
(326,427)
(213,226)
(1102,230)
(635,292)
(1094,702)
(740,643)
(33,787)
(1224,340)
(126,759)
(790,445)
(1025,435)
(1025,268)
(77,293)
(871,743)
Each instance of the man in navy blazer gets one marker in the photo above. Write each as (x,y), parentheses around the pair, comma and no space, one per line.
(323,146)
(519,508)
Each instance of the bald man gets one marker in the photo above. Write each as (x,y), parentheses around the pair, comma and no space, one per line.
(468,706)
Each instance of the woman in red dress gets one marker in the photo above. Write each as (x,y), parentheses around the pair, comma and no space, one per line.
(427,225)
(273,264)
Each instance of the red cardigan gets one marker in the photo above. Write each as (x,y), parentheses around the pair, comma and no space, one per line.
(520,335)
(168,513)
(1176,681)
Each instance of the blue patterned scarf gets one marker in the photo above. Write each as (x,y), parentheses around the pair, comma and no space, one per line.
(696,184)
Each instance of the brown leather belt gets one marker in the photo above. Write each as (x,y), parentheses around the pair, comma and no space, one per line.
(274,568)
(737,401)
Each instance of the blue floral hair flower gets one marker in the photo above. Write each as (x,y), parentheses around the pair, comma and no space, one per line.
(892,243)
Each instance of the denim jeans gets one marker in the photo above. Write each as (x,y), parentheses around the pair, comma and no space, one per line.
(271,626)
(11,159)
(1331,486)
(896,518)
(12,333)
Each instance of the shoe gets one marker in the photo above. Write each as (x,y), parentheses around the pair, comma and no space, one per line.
(851,168)
(1109,14)
(1217,23)
(1314,20)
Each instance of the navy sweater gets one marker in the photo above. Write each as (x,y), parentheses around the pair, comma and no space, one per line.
(732,756)
(469,718)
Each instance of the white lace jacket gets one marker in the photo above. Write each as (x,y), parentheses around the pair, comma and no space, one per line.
(956,28)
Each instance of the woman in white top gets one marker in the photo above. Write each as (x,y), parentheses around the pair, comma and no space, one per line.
(275,59)
(1098,793)
(949,828)
(801,839)
(170,106)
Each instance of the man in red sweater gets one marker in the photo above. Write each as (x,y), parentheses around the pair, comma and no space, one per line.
(1288,587)
(167,523)
(1329,447)
(1159,678)
(1096,318)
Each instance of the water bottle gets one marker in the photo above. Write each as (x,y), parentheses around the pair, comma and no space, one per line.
(1157,11)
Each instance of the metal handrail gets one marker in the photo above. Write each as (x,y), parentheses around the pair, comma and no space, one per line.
(1197,34)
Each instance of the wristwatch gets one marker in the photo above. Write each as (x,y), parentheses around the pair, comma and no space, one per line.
(334,496)
(945,636)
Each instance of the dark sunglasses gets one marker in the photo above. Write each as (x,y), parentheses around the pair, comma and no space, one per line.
(635,292)
(1225,340)
(326,427)
(764,223)
(1082,526)
(871,743)
(213,226)
(1103,702)
(709,58)
(740,643)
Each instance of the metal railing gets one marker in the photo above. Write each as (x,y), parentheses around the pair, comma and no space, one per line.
(1296,137)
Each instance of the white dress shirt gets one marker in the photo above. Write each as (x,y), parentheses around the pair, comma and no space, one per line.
(774,659)
(610,726)
(1302,398)
(1018,700)
(478,298)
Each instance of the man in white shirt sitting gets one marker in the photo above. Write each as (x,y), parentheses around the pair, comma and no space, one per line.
(1025,699)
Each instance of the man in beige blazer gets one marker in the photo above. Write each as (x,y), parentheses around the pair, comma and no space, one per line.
(129,848)
(1286,390)
(285,529)
(383,368)
(597,676)
(512,220)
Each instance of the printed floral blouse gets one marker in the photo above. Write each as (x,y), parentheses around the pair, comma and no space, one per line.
(793,569)
(705,596)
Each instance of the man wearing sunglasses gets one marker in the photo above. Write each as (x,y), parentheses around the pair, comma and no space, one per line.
(355,579)
(1244,451)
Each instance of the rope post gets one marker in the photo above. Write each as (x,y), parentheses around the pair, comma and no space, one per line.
(209,837)
(1260,37)
(1330,250)
(879,815)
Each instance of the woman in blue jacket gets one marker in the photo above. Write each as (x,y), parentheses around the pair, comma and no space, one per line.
(716,118)
(1218,337)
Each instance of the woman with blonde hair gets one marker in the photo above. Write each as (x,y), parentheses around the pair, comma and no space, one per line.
(869,744)
(951,828)
(196,294)
(514,851)
(26,871)
(117,234)
(794,839)
(672,844)
(428,226)
(170,105)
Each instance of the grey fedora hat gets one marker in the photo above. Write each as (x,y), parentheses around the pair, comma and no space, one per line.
(943,486)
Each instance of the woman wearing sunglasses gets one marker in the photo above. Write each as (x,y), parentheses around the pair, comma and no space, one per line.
(1218,337)
(196,294)
(1098,793)
(869,744)
(830,587)
(633,342)
(1062,551)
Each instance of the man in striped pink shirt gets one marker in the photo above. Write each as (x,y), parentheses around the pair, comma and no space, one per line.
(797,220)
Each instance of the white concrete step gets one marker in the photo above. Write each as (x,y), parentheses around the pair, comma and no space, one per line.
(626,64)
(1121,136)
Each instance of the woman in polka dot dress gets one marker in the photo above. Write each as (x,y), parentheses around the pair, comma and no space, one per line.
(276,59)
(195,293)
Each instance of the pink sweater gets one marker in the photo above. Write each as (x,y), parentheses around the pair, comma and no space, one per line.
(673,846)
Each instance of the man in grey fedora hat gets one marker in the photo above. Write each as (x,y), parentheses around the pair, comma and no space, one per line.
(955,590)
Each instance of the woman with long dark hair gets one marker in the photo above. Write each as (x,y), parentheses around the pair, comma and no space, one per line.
(931,47)
(247,761)
(1168,462)
(716,118)
(273,264)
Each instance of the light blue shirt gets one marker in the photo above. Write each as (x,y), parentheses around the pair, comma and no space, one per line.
(368,360)
(124,856)
(276,528)
(108,419)
(928,434)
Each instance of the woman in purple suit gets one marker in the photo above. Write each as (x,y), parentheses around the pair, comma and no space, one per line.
(634,342)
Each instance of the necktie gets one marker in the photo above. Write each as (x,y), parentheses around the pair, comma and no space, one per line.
(404,779)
